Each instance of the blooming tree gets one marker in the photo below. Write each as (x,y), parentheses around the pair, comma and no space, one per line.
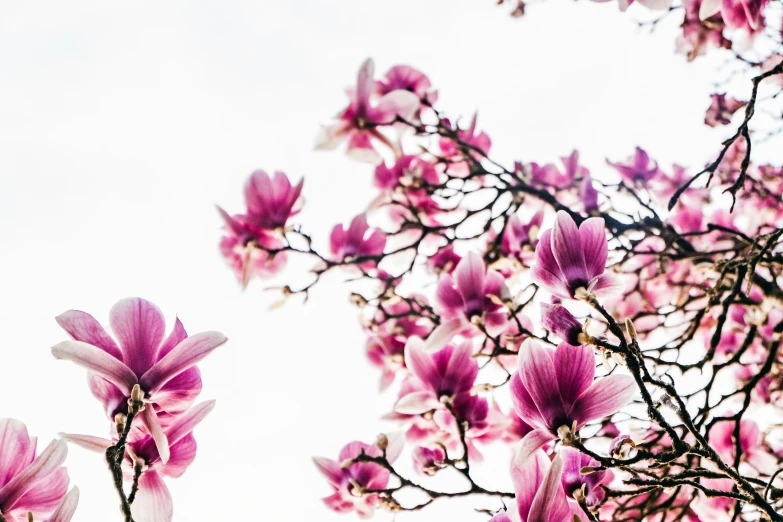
(617,328)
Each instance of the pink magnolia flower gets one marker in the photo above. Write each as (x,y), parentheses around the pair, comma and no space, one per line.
(586,486)
(539,492)
(406,78)
(570,261)
(357,241)
(403,183)
(30,484)
(445,260)
(429,461)
(165,369)
(451,150)
(737,14)
(446,373)
(249,237)
(351,483)
(473,294)
(66,509)
(589,196)
(722,440)
(554,389)
(640,168)
(721,109)
(153,501)
(519,238)
(359,122)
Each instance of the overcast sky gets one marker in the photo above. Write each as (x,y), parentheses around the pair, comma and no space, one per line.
(122,124)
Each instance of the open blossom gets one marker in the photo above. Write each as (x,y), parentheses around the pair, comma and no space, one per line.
(448,372)
(445,260)
(356,241)
(698,37)
(473,294)
(359,122)
(30,484)
(429,460)
(721,109)
(539,492)
(639,169)
(406,78)
(403,183)
(519,237)
(248,237)
(554,389)
(164,368)
(737,14)
(586,486)
(153,501)
(451,151)
(351,482)
(570,261)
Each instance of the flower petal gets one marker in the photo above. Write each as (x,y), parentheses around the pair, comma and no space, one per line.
(139,326)
(709,8)
(537,373)
(417,402)
(188,420)
(549,494)
(443,334)
(66,509)
(152,423)
(527,477)
(595,247)
(17,449)
(567,249)
(88,442)
(44,496)
(185,355)
(46,463)
(98,362)
(608,285)
(153,501)
(530,444)
(606,396)
(470,275)
(575,370)
(331,469)
(83,327)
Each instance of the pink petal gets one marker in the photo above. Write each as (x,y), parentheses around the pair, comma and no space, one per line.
(396,445)
(549,494)
(397,103)
(98,362)
(112,398)
(183,453)
(256,187)
(523,403)
(443,334)
(331,469)
(575,369)
(605,397)
(177,335)
(608,285)
(180,392)
(88,442)
(45,495)
(656,5)
(139,326)
(567,249)
(152,423)
(83,327)
(417,402)
(595,247)
(153,502)
(529,445)
(470,275)
(419,362)
(17,449)
(46,463)
(546,272)
(330,136)
(537,372)
(188,420)
(360,148)
(364,86)
(448,299)
(527,477)
(185,355)
(67,508)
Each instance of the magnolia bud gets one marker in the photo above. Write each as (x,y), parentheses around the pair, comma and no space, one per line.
(382,442)
(119,422)
(630,328)
(587,470)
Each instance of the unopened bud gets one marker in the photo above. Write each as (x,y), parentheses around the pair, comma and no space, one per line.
(347,463)
(357,490)
(29,517)
(136,394)
(579,494)
(382,442)
(119,422)
(587,470)
(631,329)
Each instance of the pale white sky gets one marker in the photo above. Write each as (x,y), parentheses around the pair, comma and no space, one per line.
(123,123)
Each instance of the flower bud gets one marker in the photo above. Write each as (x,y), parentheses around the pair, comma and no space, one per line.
(382,442)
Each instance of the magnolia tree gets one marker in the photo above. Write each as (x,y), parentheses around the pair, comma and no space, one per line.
(618,330)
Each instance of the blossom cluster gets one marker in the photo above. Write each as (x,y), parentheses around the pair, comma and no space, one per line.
(566,312)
